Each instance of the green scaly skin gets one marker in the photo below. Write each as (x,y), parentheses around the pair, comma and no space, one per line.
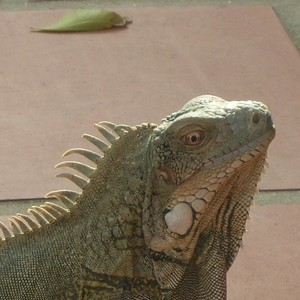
(161,216)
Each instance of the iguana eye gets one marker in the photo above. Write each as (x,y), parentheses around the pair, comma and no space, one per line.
(194,138)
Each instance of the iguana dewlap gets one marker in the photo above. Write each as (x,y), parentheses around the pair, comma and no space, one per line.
(159,214)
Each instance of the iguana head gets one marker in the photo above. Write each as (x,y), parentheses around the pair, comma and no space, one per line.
(209,153)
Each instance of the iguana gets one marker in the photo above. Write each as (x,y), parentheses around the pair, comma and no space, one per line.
(160,215)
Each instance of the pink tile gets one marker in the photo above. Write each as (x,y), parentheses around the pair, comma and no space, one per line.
(54,86)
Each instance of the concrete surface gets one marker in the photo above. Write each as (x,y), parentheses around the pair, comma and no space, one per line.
(287,10)
(267,267)
(58,85)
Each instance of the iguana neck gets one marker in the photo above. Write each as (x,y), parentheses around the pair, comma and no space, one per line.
(102,233)
(113,201)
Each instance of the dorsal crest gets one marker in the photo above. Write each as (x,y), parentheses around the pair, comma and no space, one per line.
(50,212)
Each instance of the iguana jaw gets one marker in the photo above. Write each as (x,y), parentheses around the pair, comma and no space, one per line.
(210,196)
(171,253)
(180,208)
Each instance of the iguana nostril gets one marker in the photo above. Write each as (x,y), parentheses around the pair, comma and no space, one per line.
(256,118)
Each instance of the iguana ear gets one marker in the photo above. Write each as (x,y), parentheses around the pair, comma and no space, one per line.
(165,174)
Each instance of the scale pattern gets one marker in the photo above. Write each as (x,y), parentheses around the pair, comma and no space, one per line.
(159,213)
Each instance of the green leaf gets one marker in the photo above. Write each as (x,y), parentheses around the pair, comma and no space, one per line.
(86,20)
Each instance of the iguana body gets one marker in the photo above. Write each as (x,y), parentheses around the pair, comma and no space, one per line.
(161,216)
